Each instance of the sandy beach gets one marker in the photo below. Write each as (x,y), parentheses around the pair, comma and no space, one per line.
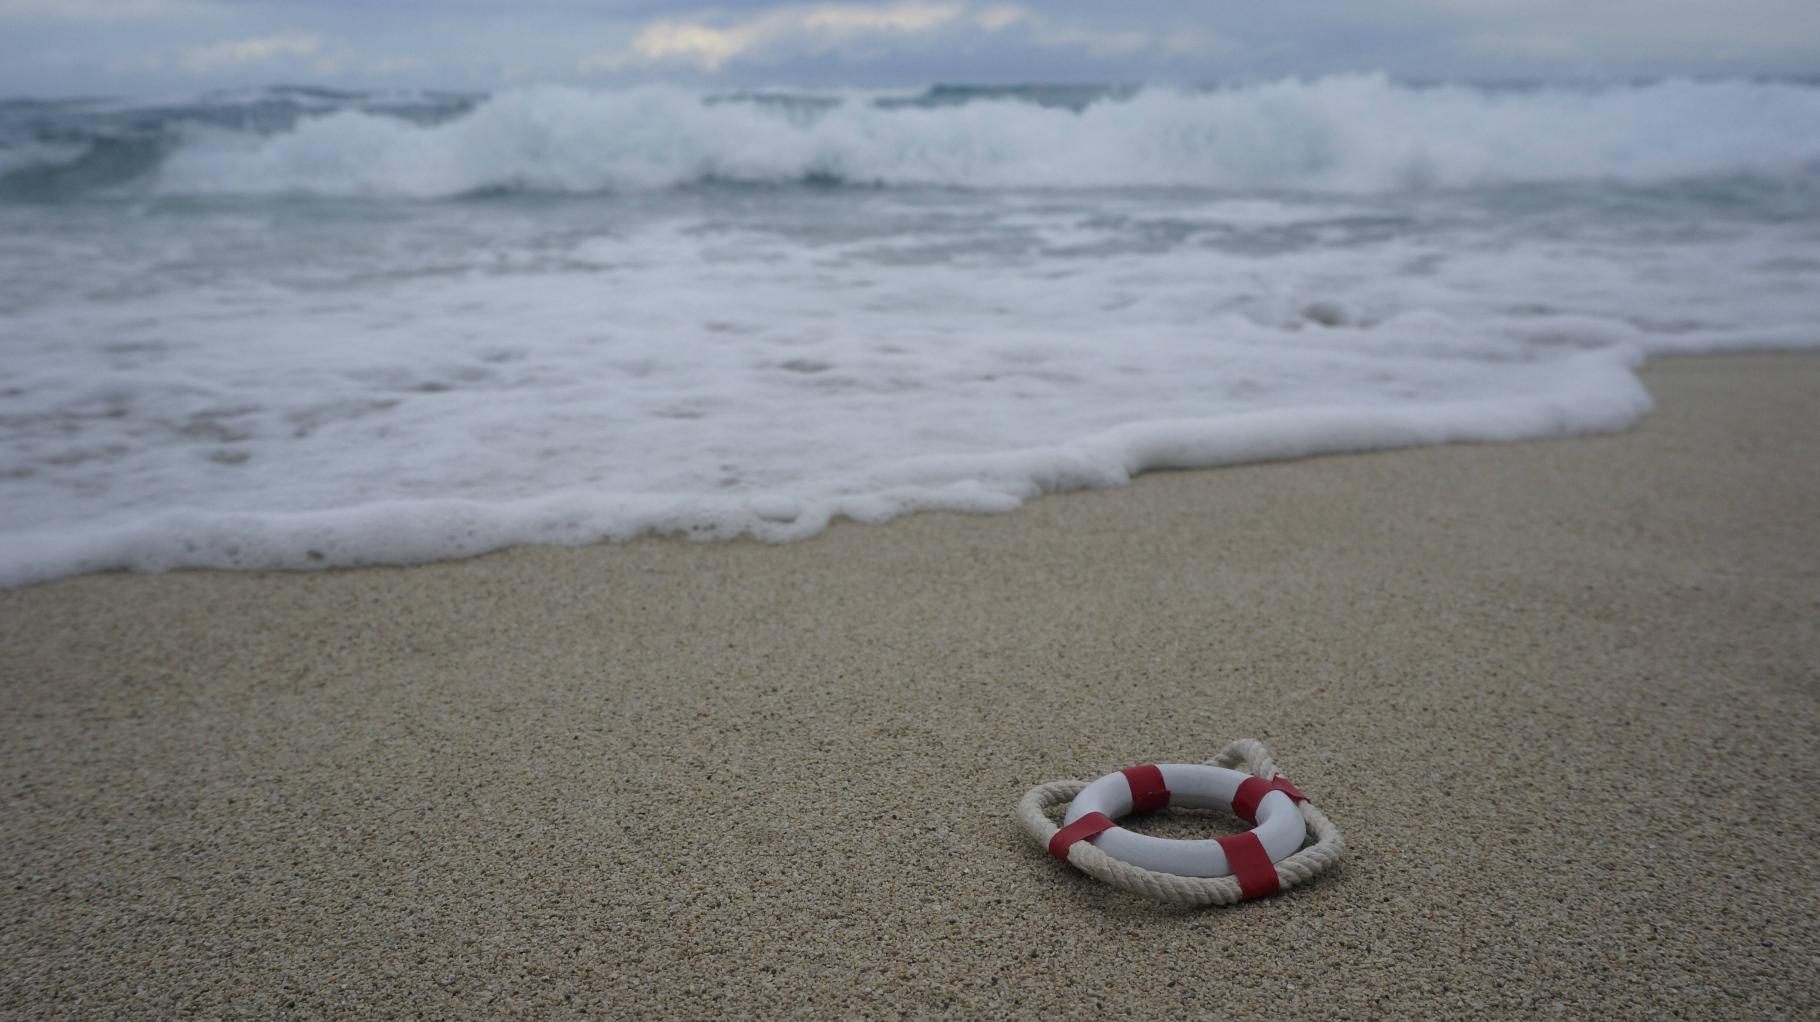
(1562,697)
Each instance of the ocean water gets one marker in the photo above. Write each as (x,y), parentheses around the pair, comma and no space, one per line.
(295,328)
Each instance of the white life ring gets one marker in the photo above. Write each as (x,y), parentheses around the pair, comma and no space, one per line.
(1224,871)
(1280,826)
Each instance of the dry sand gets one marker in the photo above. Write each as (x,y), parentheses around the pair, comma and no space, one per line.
(1562,697)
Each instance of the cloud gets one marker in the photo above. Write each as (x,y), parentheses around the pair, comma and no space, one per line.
(237,53)
(1571,30)
(804,29)
(100,10)
(712,42)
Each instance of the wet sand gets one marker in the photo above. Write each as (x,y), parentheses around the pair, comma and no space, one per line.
(1562,697)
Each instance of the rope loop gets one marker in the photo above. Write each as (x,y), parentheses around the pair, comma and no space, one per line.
(1299,868)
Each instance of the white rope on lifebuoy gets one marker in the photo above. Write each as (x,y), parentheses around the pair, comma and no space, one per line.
(1200,885)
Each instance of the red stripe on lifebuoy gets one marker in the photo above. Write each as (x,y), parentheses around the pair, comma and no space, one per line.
(1147,790)
(1251,864)
(1252,791)
(1281,783)
(1245,802)
(1080,830)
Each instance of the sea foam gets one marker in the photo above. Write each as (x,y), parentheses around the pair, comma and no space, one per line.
(361,368)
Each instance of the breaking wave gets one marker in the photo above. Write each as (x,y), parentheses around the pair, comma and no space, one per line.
(1362,133)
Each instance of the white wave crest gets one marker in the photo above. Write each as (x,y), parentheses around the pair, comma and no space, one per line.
(1351,134)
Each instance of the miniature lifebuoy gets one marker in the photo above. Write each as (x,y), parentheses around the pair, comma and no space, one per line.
(1220,871)
(1271,805)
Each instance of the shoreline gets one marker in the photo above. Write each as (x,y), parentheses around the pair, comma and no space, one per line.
(1561,696)
(1602,395)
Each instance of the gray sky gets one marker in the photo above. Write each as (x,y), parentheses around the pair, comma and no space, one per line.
(173,47)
